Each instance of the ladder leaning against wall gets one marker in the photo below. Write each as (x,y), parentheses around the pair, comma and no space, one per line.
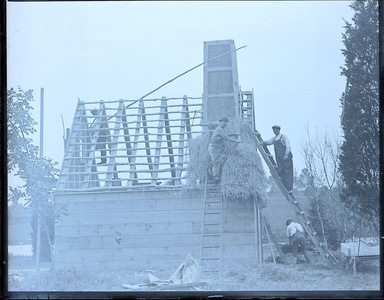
(212,232)
(300,214)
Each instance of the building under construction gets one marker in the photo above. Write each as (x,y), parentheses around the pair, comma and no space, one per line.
(132,210)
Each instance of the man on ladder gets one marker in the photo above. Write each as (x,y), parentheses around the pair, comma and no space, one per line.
(283,157)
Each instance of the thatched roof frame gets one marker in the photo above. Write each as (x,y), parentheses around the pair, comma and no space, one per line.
(243,176)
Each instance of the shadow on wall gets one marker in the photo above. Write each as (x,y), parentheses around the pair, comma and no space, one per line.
(279,210)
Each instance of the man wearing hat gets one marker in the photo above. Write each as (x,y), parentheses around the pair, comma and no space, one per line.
(102,138)
(295,233)
(283,156)
(216,147)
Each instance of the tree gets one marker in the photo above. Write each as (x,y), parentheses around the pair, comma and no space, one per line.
(329,216)
(36,173)
(359,159)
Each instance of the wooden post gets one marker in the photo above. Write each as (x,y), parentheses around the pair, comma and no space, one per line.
(38,241)
(253,113)
(258,241)
(181,142)
(89,167)
(187,116)
(169,143)
(104,120)
(159,140)
(260,234)
(283,257)
(146,138)
(269,240)
(133,174)
(38,236)
(127,140)
(112,160)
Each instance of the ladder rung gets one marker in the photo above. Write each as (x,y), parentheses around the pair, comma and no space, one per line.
(212,212)
(307,222)
(302,213)
(270,155)
(295,201)
(314,233)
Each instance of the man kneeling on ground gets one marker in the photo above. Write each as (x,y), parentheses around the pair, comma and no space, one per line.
(295,233)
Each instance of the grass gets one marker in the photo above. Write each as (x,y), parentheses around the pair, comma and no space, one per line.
(264,277)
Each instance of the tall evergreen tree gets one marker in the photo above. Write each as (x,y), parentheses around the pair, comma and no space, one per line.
(359,160)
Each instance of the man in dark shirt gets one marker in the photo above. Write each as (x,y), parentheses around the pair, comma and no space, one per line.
(216,148)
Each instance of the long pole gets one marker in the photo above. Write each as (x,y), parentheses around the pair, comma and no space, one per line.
(38,239)
(169,81)
(41,122)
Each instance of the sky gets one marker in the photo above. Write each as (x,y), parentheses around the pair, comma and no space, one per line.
(122,50)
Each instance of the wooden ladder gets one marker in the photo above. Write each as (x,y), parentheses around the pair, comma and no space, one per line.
(212,232)
(246,107)
(300,214)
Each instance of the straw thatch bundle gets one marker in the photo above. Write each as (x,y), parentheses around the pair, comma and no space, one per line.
(199,161)
(243,176)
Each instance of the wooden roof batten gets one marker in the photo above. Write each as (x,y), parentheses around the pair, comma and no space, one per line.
(146,144)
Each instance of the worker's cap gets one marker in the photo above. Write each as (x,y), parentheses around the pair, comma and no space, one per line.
(224,119)
(289,221)
(276,126)
(94,111)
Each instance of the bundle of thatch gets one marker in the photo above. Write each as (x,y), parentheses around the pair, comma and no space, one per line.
(243,176)
(199,161)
